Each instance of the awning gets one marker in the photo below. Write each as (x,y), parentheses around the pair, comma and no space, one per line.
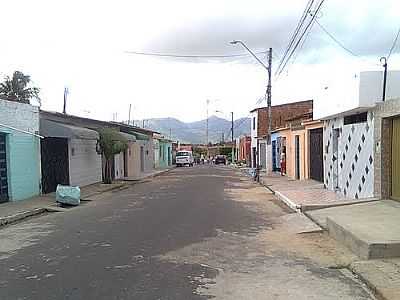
(60,130)
(129,137)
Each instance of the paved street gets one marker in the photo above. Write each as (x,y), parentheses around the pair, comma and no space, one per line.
(193,233)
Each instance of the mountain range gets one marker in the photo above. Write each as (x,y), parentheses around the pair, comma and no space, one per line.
(195,132)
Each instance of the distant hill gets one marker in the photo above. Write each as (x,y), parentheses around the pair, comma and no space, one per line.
(195,132)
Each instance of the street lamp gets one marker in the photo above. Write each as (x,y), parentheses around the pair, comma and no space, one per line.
(268,68)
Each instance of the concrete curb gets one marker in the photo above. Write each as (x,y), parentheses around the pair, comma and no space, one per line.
(288,202)
(322,206)
(20,216)
(111,188)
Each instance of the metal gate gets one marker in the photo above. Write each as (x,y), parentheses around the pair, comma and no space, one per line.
(274,164)
(263,155)
(396,159)
(316,155)
(3,169)
(55,165)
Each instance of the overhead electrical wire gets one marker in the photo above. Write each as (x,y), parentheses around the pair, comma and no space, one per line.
(340,44)
(169,55)
(394,44)
(301,37)
(296,32)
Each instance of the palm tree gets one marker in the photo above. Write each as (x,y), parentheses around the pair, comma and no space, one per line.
(17,88)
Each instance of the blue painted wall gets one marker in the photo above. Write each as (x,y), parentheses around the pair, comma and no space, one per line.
(22,149)
(23,166)
(165,159)
(276,163)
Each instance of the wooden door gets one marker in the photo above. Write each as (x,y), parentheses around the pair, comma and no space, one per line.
(316,155)
(396,159)
(3,169)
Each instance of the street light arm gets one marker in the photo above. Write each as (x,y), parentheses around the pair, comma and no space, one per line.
(251,52)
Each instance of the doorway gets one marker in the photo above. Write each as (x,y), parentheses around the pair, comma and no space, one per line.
(263,155)
(396,159)
(254,158)
(126,163)
(274,164)
(335,158)
(316,155)
(55,163)
(3,169)
(297,156)
(141,158)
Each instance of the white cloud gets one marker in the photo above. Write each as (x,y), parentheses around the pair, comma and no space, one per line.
(82,44)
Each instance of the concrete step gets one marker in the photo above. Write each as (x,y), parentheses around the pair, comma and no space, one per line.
(371,230)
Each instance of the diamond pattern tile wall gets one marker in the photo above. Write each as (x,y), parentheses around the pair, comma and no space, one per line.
(354,158)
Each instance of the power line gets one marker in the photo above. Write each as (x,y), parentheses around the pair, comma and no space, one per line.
(296,32)
(394,44)
(191,56)
(340,44)
(301,37)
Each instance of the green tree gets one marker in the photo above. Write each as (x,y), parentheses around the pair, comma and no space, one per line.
(18,88)
(110,142)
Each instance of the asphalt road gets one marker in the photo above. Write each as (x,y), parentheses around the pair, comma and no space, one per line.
(172,237)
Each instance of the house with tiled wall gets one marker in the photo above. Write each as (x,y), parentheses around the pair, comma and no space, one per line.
(19,151)
(359,160)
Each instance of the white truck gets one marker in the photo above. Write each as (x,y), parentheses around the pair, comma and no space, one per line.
(184,158)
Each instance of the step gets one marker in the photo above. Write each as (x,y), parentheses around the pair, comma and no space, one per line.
(371,230)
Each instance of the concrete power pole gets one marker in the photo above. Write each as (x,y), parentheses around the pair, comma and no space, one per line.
(66,92)
(129,117)
(269,88)
(208,102)
(233,145)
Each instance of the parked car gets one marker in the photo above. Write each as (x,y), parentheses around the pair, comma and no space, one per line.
(220,159)
(184,158)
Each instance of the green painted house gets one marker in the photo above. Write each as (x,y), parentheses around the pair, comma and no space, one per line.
(162,152)
(19,151)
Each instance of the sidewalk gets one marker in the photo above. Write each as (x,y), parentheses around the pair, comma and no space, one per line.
(304,195)
(11,212)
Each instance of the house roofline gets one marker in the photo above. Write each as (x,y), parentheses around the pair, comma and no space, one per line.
(283,104)
(349,112)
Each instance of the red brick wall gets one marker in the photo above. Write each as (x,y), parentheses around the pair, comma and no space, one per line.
(280,113)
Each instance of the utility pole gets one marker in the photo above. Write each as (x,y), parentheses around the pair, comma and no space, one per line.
(170,133)
(223,138)
(384,65)
(143,123)
(66,91)
(269,88)
(129,117)
(208,102)
(233,145)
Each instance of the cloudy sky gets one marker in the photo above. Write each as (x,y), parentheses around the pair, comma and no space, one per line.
(84,45)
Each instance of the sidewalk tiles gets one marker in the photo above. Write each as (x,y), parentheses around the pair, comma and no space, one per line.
(304,195)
